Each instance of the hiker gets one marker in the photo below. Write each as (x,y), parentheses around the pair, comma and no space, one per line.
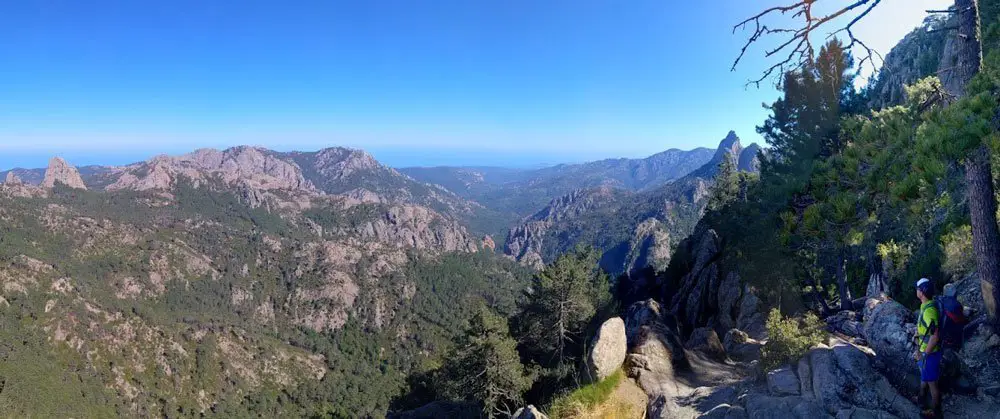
(928,357)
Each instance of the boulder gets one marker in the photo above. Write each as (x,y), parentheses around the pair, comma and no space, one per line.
(889,330)
(783,382)
(529,412)
(750,319)
(608,350)
(740,346)
(846,322)
(804,370)
(706,341)
(843,378)
(725,411)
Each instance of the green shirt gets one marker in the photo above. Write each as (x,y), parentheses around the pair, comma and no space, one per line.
(927,324)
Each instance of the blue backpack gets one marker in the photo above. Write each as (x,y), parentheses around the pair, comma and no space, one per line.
(953,321)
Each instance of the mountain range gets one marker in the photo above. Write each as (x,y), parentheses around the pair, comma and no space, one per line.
(290,283)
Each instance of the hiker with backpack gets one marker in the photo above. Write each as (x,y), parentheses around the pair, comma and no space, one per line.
(928,357)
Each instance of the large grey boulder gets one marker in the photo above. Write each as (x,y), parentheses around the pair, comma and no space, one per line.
(706,341)
(889,329)
(608,351)
(783,382)
(843,378)
(529,412)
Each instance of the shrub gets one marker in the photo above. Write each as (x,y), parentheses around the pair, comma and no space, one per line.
(790,338)
(959,259)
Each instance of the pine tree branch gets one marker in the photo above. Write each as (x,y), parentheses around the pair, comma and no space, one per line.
(799,47)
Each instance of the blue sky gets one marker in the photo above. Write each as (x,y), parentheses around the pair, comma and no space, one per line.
(513,82)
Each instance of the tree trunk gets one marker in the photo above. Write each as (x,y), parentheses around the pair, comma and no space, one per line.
(978,169)
(845,292)
(985,233)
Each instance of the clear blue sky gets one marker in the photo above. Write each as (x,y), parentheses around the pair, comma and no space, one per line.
(512,82)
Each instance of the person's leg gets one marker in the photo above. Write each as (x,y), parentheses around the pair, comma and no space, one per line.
(935,398)
(931,374)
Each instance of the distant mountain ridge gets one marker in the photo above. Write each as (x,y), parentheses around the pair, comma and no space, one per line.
(514,194)
(631,229)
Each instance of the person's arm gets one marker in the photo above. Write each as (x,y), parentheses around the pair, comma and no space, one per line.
(932,342)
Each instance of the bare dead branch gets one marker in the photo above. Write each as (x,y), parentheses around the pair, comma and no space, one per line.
(799,45)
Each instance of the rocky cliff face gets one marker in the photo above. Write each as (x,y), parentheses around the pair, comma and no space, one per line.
(633,230)
(60,172)
(919,54)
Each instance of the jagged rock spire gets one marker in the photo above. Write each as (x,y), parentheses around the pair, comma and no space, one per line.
(61,172)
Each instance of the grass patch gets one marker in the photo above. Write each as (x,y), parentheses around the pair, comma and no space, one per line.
(586,398)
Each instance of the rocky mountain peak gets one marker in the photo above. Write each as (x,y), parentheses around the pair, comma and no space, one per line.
(59,171)
(748,161)
(729,146)
(342,162)
(12,179)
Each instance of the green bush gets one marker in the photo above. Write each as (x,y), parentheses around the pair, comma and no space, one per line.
(585,397)
(959,259)
(790,338)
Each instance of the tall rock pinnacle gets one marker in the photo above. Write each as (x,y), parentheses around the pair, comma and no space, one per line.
(64,173)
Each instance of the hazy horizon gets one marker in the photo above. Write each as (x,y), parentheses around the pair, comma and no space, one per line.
(445,82)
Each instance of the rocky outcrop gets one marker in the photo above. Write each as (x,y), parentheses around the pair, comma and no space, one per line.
(650,246)
(655,349)
(704,298)
(12,179)
(607,352)
(525,243)
(748,160)
(246,167)
(740,346)
(706,341)
(420,228)
(489,244)
(783,382)
(843,377)
(60,172)
(917,55)
(889,331)
(529,412)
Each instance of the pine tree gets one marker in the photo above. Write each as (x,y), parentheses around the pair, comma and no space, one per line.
(565,297)
(726,187)
(485,367)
